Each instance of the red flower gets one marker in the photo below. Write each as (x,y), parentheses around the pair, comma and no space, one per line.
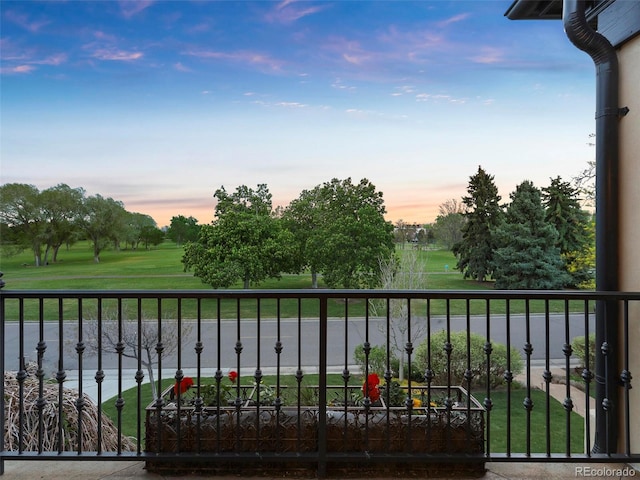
(370,387)
(233,375)
(183,385)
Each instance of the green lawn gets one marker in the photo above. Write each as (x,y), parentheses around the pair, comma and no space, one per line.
(160,268)
(498,418)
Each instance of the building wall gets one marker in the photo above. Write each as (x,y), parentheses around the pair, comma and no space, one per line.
(629,181)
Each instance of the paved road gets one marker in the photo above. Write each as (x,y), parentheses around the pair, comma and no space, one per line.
(343,337)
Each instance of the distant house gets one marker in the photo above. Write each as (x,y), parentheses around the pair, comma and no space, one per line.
(608,31)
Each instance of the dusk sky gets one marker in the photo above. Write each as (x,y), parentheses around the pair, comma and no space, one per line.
(158,104)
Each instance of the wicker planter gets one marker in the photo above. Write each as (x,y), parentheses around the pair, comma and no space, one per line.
(255,429)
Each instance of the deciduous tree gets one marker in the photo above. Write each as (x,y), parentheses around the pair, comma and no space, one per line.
(102,221)
(21,211)
(183,229)
(246,242)
(449,223)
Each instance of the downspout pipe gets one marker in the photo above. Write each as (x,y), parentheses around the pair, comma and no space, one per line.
(604,56)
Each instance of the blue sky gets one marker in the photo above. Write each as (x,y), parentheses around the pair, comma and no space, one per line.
(158,104)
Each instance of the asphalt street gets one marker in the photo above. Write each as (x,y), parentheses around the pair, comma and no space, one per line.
(299,340)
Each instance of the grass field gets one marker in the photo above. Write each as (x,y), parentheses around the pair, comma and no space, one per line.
(161,269)
(498,429)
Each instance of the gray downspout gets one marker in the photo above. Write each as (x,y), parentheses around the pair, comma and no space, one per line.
(607,256)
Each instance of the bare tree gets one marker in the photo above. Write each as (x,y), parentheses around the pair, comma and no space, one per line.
(135,341)
(449,223)
(585,183)
(401,273)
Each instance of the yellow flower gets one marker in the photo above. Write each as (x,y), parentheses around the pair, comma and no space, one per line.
(417,403)
(433,404)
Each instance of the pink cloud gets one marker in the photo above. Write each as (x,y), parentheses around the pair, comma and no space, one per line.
(57,59)
(181,68)
(247,57)
(18,69)
(130,8)
(489,55)
(23,21)
(289,11)
(118,55)
(455,19)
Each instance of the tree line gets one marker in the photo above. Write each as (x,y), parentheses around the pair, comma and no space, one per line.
(43,221)
(542,239)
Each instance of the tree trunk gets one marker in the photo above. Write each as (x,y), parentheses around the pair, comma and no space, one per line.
(154,390)
(246,284)
(314,279)
(56,249)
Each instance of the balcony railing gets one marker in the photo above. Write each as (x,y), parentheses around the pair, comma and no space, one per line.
(303,393)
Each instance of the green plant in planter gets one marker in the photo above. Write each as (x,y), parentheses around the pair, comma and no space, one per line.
(212,396)
(266,394)
(396,396)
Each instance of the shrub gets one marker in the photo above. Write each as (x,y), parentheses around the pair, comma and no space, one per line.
(377,359)
(579,350)
(478,364)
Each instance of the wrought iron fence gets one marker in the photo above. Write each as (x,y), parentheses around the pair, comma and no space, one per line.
(316,377)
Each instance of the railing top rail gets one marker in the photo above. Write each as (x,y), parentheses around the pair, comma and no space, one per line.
(329,294)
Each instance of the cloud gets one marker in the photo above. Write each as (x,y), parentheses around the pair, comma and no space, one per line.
(289,11)
(24,21)
(181,68)
(19,69)
(489,55)
(244,57)
(25,63)
(437,98)
(56,59)
(130,8)
(455,19)
(117,55)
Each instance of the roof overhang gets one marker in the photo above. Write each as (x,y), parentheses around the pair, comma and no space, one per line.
(535,10)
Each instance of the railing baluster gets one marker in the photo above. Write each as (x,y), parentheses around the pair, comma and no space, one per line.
(139,376)
(568,402)
(80,400)
(546,375)
(41,402)
(179,377)
(625,378)
(199,402)
(21,377)
(99,373)
(345,373)
(61,375)
(322,393)
(488,349)
(528,350)
(508,374)
(587,376)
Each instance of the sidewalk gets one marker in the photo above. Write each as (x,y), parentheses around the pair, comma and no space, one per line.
(49,470)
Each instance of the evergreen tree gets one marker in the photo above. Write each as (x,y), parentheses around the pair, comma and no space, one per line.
(572,223)
(527,256)
(483,212)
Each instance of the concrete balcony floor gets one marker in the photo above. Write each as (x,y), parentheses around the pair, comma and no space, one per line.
(85,470)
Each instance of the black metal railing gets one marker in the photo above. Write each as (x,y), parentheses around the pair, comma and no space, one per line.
(310,377)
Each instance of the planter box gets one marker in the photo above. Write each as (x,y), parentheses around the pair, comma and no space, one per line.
(255,429)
